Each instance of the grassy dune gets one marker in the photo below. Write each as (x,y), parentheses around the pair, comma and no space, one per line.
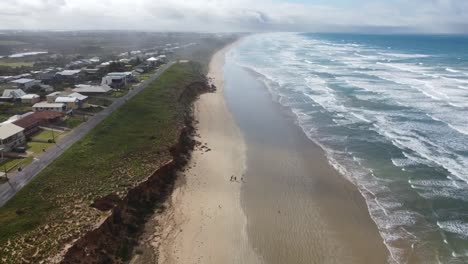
(119,153)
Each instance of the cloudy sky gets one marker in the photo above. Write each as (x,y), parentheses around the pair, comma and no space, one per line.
(444,16)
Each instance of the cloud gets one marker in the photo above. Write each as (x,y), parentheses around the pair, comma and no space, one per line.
(235,15)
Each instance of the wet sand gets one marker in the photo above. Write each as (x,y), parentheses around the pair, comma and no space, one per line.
(299,208)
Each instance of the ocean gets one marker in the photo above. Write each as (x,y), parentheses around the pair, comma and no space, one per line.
(391,114)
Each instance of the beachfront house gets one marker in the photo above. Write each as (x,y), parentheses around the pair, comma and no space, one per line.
(11,136)
(25,83)
(117,80)
(45,106)
(86,89)
(30,99)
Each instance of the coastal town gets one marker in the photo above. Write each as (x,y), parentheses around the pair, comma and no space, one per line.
(40,106)
(93,126)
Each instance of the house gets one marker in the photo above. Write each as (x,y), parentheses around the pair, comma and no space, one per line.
(95,60)
(92,89)
(30,99)
(24,83)
(82,99)
(152,61)
(162,58)
(70,102)
(12,94)
(117,80)
(11,136)
(139,70)
(46,77)
(52,96)
(46,88)
(34,120)
(68,75)
(45,106)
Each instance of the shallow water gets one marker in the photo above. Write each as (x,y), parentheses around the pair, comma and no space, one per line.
(299,209)
(391,114)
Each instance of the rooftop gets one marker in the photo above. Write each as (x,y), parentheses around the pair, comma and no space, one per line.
(35,117)
(77,96)
(47,105)
(83,88)
(13,93)
(8,130)
(68,72)
(66,99)
(23,81)
(29,96)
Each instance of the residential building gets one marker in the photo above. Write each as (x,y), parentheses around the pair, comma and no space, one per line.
(25,83)
(117,80)
(82,99)
(30,99)
(34,120)
(52,96)
(12,94)
(11,136)
(46,77)
(92,89)
(45,106)
(71,102)
(68,75)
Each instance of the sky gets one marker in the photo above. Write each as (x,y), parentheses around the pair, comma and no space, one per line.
(378,16)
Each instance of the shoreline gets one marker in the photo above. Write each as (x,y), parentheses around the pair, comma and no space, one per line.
(204,221)
(299,208)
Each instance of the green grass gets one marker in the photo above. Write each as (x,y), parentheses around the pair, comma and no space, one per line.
(15,64)
(121,151)
(99,101)
(37,147)
(10,164)
(74,121)
(117,94)
(46,135)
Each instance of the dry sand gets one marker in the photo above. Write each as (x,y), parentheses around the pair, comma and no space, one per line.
(205,222)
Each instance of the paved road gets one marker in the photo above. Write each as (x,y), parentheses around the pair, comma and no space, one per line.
(8,190)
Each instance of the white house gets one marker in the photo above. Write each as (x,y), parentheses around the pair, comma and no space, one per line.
(117,79)
(30,99)
(11,136)
(92,89)
(70,102)
(45,106)
(13,94)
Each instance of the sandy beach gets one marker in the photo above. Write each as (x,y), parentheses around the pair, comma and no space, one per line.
(204,222)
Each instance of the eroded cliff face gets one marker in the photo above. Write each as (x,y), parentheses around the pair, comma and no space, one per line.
(113,241)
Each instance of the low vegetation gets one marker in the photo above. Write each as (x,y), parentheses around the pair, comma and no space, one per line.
(122,151)
(99,101)
(15,63)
